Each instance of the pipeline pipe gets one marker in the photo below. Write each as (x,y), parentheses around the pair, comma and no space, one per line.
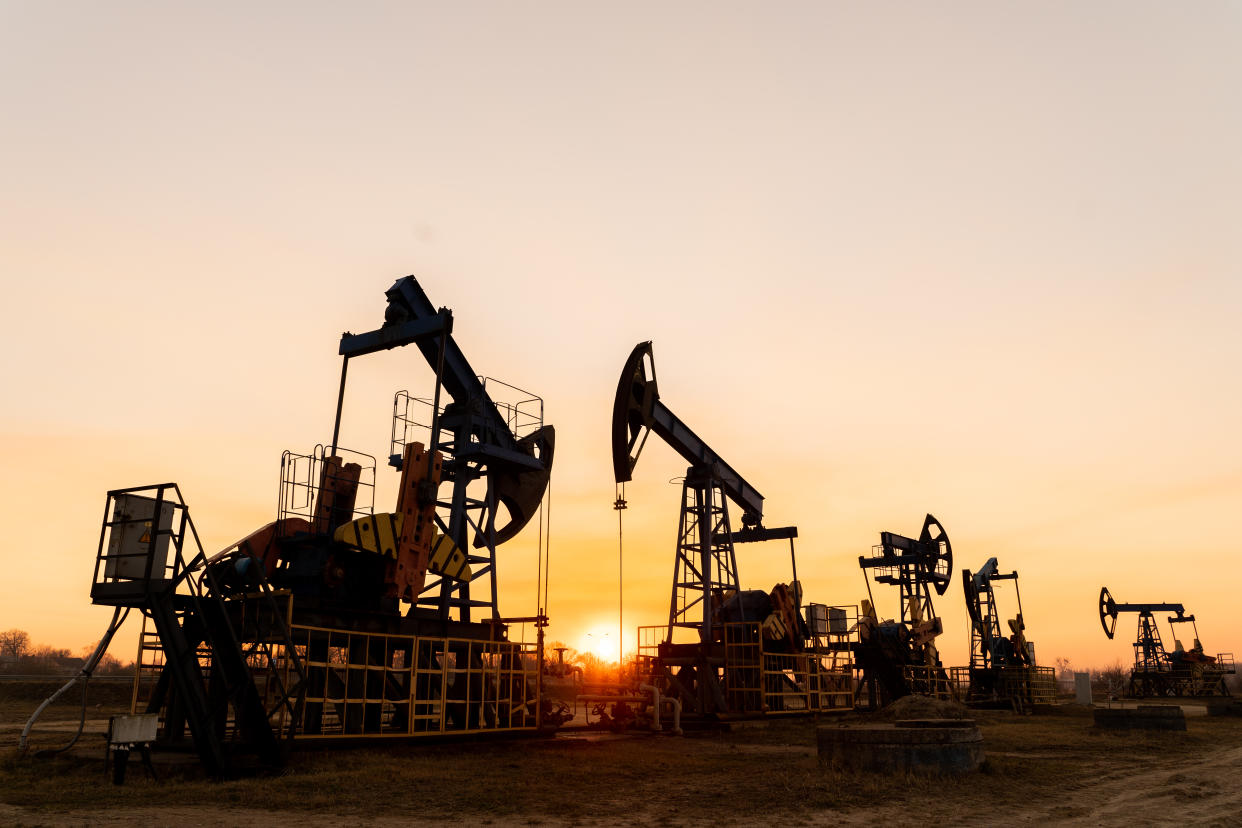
(608,685)
(84,676)
(654,699)
(655,704)
(675,704)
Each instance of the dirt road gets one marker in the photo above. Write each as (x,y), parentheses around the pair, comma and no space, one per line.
(1203,791)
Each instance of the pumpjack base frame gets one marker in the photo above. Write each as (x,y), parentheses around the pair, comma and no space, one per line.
(373,678)
(1207,680)
(741,677)
(1020,687)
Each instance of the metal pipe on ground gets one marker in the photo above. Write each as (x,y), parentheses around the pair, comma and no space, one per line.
(653,699)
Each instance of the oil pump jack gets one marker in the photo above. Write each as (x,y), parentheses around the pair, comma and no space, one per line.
(1002,668)
(724,651)
(1158,672)
(898,657)
(324,624)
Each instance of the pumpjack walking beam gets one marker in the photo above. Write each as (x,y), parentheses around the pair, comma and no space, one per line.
(706,562)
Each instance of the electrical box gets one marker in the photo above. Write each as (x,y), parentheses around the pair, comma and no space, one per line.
(1082,688)
(825,620)
(137,537)
(838,621)
(134,729)
(817,619)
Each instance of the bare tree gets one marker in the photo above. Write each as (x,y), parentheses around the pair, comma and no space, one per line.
(1110,681)
(15,643)
(108,665)
(47,652)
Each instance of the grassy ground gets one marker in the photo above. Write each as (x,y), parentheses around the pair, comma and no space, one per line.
(1044,768)
(19,699)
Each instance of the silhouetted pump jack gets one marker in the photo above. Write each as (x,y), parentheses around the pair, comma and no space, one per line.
(1002,667)
(337,620)
(706,598)
(899,657)
(1158,672)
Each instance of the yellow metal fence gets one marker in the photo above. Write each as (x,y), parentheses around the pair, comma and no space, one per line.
(757,680)
(1023,685)
(375,685)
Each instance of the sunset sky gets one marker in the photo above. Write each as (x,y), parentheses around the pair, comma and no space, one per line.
(973,259)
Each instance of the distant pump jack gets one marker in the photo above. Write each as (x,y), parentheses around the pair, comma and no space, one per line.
(1156,671)
(899,657)
(1002,667)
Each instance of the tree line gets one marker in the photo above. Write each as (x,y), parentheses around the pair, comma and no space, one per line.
(21,656)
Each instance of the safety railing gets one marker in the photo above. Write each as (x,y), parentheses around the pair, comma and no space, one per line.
(744,666)
(411,422)
(412,417)
(362,684)
(645,658)
(140,544)
(375,685)
(884,573)
(923,680)
(758,680)
(522,411)
(1031,685)
(316,487)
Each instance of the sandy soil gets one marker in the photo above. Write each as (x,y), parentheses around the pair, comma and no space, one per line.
(1201,792)
(1090,780)
(1204,791)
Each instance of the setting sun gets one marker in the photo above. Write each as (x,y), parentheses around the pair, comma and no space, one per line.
(599,643)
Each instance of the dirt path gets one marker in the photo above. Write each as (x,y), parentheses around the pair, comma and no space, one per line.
(1205,792)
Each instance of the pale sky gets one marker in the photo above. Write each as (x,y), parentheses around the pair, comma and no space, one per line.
(975,259)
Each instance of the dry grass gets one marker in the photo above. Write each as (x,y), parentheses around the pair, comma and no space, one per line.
(19,699)
(1035,765)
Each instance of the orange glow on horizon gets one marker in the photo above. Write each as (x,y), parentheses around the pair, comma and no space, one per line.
(599,642)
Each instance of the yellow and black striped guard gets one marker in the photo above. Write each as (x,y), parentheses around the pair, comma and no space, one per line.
(447,559)
(377,533)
